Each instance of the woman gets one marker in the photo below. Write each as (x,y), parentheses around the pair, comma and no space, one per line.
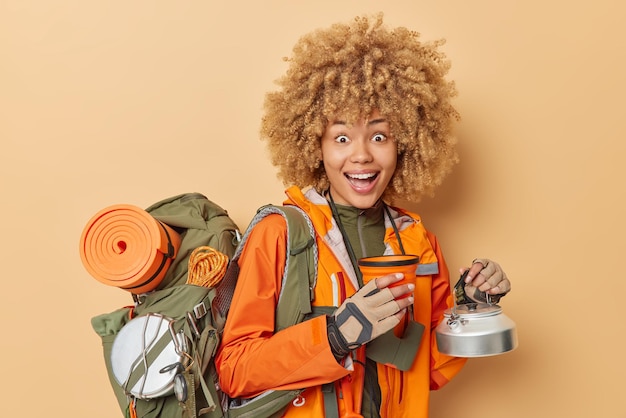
(361,118)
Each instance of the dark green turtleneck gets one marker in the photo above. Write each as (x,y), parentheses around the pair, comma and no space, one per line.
(365,229)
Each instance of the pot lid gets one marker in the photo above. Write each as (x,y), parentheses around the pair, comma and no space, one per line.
(143,354)
(474,310)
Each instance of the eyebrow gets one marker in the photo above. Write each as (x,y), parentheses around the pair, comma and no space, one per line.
(376,121)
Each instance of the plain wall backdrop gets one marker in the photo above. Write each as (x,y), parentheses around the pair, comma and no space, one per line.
(107,102)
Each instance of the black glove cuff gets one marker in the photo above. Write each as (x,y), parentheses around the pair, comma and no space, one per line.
(338,344)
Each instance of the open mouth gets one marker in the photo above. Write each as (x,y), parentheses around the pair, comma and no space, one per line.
(361,180)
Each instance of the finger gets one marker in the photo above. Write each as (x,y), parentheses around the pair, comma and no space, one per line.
(387,309)
(398,291)
(474,270)
(391,321)
(490,281)
(379,298)
(490,269)
(502,287)
(405,302)
(400,314)
(367,290)
(385,281)
(481,271)
(476,279)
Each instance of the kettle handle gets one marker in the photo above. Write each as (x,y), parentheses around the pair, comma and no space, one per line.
(461,297)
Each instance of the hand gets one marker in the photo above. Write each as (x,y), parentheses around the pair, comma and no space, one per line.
(486,276)
(370,312)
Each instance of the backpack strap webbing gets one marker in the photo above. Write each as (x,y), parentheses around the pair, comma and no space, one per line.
(300,262)
(294,301)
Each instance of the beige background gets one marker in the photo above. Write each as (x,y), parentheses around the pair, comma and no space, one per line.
(106,102)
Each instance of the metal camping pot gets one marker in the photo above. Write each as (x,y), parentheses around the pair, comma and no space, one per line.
(476,330)
(147,355)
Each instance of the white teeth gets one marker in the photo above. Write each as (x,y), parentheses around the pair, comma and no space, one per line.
(361,176)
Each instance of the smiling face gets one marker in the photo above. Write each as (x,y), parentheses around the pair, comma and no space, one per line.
(359,160)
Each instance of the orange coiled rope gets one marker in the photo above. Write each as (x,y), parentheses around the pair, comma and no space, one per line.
(207,267)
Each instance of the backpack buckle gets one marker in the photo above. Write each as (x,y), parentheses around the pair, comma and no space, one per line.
(200,310)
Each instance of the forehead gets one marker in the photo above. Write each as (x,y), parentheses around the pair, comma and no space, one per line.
(373,118)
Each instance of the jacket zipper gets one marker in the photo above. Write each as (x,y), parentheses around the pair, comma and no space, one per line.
(359,228)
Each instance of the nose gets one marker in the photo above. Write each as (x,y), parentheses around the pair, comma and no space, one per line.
(361,152)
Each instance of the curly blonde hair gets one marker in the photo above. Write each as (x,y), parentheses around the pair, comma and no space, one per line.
(351,70)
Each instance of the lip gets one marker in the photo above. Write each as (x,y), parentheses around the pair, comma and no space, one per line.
(362,189)
(361,172)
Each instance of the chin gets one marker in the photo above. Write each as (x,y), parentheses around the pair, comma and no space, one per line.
(363,202)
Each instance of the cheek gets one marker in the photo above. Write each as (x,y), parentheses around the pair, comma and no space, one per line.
(331,167)
(323,150)
(390,160)
(331,158)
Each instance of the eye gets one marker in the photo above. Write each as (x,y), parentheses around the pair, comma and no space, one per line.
(342,139)
(379,137)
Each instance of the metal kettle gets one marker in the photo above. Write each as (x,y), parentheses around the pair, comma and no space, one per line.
(476,330)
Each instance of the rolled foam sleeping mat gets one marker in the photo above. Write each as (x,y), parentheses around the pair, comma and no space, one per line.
(126,247)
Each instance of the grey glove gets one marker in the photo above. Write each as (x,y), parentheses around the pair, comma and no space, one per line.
(368,313)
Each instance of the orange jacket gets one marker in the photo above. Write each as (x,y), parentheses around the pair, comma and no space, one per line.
(252,358)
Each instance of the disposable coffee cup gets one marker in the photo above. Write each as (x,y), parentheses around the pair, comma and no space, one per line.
(374,267)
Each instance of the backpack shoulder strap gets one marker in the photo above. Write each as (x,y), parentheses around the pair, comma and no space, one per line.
(296,294)
(294,302)
(300,271)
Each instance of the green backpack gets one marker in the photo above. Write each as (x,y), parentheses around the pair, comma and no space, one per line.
(176,328)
